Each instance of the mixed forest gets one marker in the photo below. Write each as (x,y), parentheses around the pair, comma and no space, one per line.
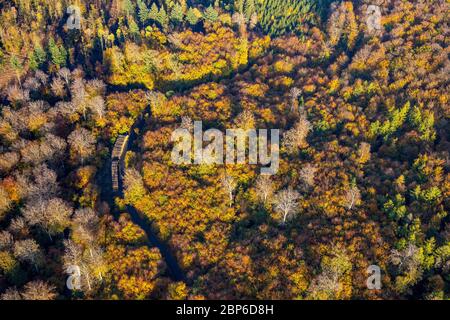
(363,176)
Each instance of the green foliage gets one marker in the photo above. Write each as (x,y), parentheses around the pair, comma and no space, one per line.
(210,14)
(16,64)
(395,209)
(37,58)
(429,196)
(162,18)
(153,14)
(58,54)
(177,15)
(396,118)
(191,17)
(143,12)
(424,122)
(278,17)
(134,28)
(249,8)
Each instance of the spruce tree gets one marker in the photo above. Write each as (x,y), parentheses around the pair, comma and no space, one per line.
(210,14)
(153,14)
(191,17)
(176,15)
(143,12)
(162,18)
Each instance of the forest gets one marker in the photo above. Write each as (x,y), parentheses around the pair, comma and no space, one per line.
(363,178)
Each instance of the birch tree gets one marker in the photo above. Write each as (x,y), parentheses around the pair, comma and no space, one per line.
(286,202)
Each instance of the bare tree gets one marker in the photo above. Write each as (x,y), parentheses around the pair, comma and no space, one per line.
(79,96)
(11,294)
(85,225)
(96,87)
(53,215)
(295,138)
(32,84)
(29,251)
(41,76)
(294,93)
(239,20)
(229,185)
(5,202)
(90,262)
(6,240)
(58,87)
(364,152)
(97,106)
(286,202)
(18,227)
(406,260)
(17,94)
(64,73)
(66,109)
(38,290)
(45,184)
(307,174)
(352,196)
(253,20)
(264,187)
(82,144)
(328,283)
(8,160)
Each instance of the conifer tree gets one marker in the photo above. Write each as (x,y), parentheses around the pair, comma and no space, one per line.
(210,14)
(176,15)
(191,17)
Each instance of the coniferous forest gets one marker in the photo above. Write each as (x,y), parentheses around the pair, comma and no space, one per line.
(92,205)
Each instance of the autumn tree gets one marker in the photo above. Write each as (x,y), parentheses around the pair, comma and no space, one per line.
(286,202)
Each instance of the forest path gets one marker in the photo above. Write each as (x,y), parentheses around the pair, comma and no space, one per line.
(175,271)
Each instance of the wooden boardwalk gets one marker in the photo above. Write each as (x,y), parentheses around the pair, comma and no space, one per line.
(117,156)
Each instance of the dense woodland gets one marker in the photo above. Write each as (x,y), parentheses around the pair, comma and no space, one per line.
(363,177)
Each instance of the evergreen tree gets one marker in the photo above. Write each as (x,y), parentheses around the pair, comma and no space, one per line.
(176,15)
(278,17)
(191,17)
(58,54)
(37,58)
(153,14)
(210,14)
(162,17)
(17,65)
(143,12)
(249,8)
(134,28)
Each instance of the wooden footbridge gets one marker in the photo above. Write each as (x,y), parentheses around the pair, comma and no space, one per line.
(117,157)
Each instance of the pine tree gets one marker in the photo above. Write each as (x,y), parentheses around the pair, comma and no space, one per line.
(17,65)
(143,12)
(162,18)
(249,8)
(191,17)
(278,17)
(37,58)
(134,28)
(210,14)
(58,54)
(176,15)
(153,14)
